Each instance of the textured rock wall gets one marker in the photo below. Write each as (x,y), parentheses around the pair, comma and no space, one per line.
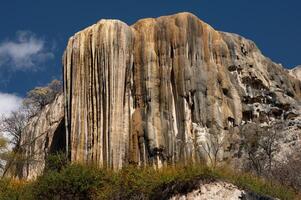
(219,190)
(166,90)
(99,103)
(44,134)
(296,72)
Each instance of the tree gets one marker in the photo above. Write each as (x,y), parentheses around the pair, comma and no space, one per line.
(260,144)
(13,125)
(269,143)
(288,172)
(56,87)
(213,145)
(3,153)
(41,96)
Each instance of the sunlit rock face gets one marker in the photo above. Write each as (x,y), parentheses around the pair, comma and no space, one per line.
(44,135)
(218,190)
(296,72)
(166,90)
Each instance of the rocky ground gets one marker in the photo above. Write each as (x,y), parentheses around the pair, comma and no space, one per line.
(219,191)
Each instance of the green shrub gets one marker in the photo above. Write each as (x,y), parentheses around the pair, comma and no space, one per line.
(72,182)
(56,162)
(14,190)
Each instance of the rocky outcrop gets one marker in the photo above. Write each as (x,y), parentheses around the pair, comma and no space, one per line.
(296,72)
(167,90)
(219,190)
(44,134)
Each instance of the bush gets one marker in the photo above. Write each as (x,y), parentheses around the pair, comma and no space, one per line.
(72,182)
(56,162)
(14,190)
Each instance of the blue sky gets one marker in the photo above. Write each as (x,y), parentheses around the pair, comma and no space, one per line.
(34,33)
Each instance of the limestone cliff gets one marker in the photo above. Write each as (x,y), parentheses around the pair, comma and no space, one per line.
(167,90)
(44,134)
(296,72)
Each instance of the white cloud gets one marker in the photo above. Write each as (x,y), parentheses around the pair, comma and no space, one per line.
(9,103)
(27,51)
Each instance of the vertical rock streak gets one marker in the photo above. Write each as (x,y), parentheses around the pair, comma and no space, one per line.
(97,68)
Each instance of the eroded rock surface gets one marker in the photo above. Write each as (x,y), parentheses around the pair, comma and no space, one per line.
(166,90)
(296,72)
(219,191)
(44,134)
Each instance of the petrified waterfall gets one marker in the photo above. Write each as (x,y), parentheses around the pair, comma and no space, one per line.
(164,90)
(160,91)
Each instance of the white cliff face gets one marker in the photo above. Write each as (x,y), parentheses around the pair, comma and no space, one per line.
(98,63)
(217,191)
(212,191)
(296,72)
(43,135)
(166,90)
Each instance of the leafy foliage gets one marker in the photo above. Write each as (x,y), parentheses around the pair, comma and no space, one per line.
(56,162)
(72,182)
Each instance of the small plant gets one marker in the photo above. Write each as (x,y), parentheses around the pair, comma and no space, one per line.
(56,162)
(15,190)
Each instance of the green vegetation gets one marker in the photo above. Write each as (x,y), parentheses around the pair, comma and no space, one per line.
(3,152)
(87,182)
(56,161)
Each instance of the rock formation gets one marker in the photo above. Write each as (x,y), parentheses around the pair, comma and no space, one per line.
(166,90)
(219,190)
(44,134)
(296,72)
(162,91)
